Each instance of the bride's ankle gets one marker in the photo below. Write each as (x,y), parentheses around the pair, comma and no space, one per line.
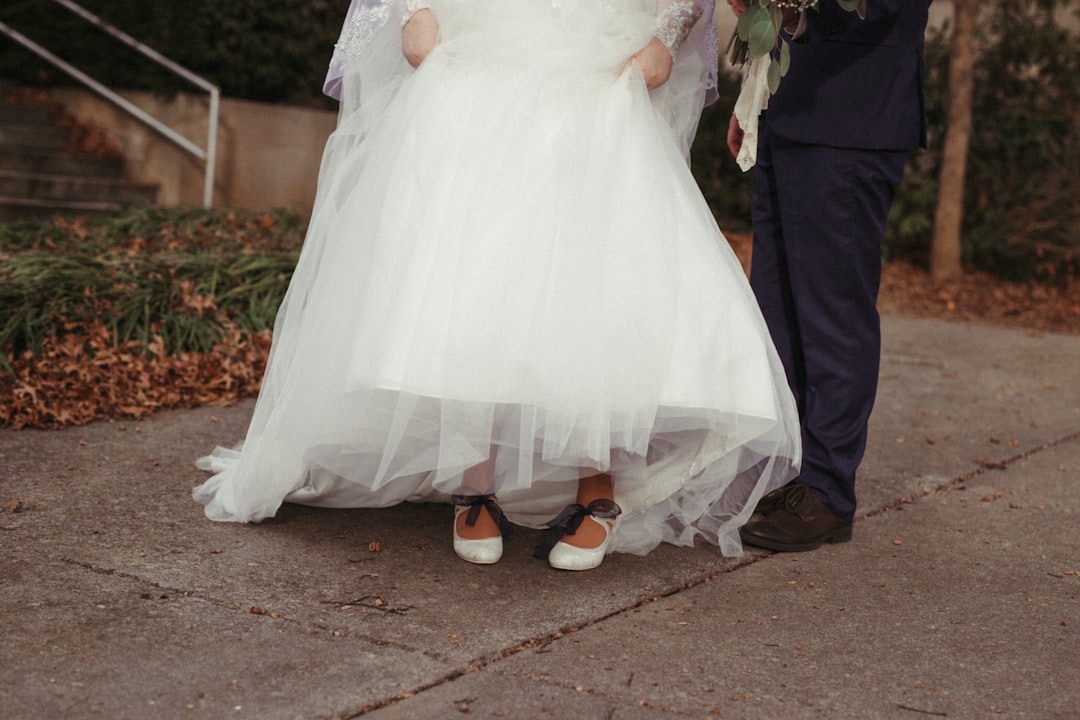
(590,534)
(484,527)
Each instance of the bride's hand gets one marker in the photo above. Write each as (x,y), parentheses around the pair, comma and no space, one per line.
(419,36)
(655,62)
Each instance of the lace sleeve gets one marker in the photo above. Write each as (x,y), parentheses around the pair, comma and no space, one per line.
(411,7)
(675,19)
(361,23)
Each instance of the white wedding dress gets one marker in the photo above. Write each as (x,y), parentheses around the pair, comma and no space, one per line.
(508,254)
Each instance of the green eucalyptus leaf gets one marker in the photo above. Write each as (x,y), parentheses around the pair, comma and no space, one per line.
(737,50)
(731,43)
(742,26)
(762,37)
(748,20)
(774,77)
(785,58)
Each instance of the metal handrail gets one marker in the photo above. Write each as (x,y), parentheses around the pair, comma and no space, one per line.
(209,155)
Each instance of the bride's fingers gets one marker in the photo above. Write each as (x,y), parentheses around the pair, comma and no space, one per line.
(655,62)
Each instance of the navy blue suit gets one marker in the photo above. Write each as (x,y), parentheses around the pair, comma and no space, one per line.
(832,148)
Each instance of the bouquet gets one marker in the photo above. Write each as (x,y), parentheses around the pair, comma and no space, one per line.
(758,32)
(752,45)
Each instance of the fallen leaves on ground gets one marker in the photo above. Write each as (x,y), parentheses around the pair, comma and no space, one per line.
(980,297)
(84,376)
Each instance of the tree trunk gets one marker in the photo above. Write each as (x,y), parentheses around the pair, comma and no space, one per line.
(945,248)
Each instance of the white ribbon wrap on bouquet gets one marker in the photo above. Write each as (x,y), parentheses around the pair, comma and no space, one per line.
(753,98)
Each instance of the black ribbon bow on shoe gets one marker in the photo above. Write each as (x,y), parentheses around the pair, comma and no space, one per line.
(474,503)
(569,520)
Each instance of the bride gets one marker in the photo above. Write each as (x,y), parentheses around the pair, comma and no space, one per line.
(512,295)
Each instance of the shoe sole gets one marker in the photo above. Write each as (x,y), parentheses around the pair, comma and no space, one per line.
(840,535)
(479,562)
(575,569)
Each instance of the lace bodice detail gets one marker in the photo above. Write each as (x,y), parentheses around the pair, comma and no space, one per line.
(675,22)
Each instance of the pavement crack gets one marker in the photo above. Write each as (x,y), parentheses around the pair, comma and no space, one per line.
(984,466)
(541,644)
(243,609)
(181,592)
(373,602)
(920,710)
(113,572)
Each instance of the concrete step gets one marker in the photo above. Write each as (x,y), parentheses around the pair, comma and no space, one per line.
(41,178)
(75,188)
(43,162)
(15,113)
(19,137)
(15,209)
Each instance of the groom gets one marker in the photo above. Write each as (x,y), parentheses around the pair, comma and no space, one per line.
(832,146)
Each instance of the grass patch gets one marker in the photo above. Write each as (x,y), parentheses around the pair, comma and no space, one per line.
(183,276)
(190,291)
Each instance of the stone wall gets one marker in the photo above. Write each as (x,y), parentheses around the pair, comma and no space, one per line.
(268,155)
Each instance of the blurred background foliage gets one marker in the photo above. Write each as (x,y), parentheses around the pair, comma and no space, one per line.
(1022,214)
(268,50)
(1021,207)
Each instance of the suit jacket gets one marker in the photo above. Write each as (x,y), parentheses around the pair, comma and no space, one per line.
(856,83)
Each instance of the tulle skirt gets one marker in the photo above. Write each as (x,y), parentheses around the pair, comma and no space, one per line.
(509,258)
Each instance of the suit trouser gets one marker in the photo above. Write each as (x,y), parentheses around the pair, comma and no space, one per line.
(819,217)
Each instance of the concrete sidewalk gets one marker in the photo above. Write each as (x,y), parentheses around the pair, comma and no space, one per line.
(959,596)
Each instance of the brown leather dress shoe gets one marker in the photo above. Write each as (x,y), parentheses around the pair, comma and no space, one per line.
(792,519)
(774,500)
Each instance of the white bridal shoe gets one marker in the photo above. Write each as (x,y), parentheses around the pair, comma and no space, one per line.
(564,556)
(479,551)
(570,557)
(482,551)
